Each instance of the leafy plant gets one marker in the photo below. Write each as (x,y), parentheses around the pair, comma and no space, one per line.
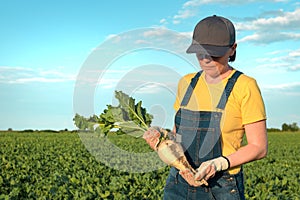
(128,117)
(38,165)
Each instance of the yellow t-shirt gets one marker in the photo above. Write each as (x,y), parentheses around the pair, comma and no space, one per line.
(244,106)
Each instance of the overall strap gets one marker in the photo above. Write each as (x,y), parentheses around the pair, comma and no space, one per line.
(228,89)
(190,89)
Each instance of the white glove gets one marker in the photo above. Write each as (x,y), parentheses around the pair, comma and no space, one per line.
(209,168)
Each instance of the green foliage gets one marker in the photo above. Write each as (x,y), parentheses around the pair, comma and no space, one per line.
(86,124)
(58,166)
(133,112)
(277,176)
(273,130)
(290,127)
(128,117)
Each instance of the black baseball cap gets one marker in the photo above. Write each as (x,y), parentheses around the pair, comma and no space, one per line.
(213,36)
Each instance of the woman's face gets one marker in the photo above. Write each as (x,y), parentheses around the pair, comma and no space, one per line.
(213,66)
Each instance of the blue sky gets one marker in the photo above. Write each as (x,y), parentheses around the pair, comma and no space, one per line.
(58,58)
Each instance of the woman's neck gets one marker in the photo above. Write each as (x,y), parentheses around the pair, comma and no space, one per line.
(224,71)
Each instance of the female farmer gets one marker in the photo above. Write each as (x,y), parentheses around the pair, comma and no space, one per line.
(215,107)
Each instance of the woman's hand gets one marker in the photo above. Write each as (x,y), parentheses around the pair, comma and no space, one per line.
(152,136)
(189,177)
(209,168)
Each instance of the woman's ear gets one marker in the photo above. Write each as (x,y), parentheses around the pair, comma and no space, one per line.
(232,53)
(233,49)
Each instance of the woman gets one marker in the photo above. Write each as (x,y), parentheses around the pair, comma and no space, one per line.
(214,109)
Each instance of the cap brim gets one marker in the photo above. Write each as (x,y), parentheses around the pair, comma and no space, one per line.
(216,51)
(197,48)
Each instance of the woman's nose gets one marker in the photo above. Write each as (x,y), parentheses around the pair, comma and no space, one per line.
(204,57)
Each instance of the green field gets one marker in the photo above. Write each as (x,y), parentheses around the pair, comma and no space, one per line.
(45,165)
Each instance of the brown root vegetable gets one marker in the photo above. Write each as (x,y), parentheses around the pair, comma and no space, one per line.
(172,153)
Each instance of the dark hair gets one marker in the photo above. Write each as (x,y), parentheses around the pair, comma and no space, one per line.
(232,58)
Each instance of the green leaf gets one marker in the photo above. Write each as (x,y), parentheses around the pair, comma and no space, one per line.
(80,122)
(128,117)
(131,128)
(140,111)
(111,114)
(135,112)
(105,194)
(86,124)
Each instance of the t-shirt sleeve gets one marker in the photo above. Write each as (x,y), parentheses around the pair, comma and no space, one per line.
(176,105)
(181,89)
(252,105)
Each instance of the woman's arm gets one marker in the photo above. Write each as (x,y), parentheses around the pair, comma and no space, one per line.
(256,148)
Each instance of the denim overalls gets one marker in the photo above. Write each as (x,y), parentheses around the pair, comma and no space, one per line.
(200,136)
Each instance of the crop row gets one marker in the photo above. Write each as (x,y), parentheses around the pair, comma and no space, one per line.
(64,166)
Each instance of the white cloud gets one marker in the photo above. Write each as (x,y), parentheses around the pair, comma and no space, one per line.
(284,27)
(289,89)
(269,37)
(20,75)
(176,22)
(282,59)
(277,52)
(190,8)
(142,42)
(163,21)
(8,68)
(114,38)
(104,78)
(295,53)
(159,31)
(108,83)
(193,3)
(37,79)
(286,21)
(184,14)
(289,20)
(295,67)
(279,26)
